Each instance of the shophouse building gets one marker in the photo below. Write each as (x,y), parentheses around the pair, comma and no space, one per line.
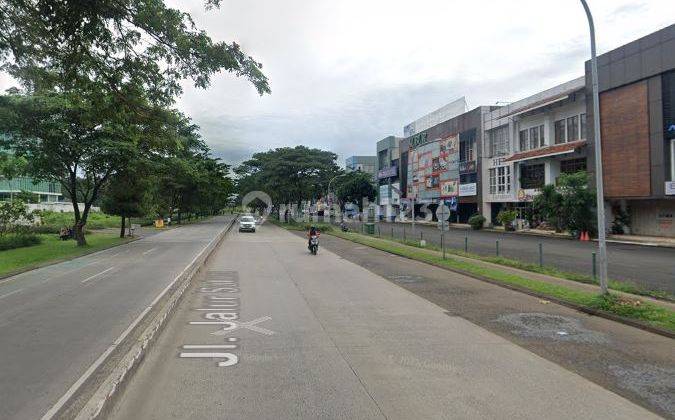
(388,182)
(529,143)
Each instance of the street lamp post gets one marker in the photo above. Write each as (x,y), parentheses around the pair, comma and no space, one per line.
(602,247)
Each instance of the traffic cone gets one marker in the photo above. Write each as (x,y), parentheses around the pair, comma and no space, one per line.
(585,236)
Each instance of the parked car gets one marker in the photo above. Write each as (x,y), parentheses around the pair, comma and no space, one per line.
(247,223)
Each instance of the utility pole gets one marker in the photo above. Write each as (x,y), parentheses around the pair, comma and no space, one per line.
(602,246)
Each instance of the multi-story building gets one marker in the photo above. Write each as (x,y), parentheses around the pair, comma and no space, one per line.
(45,192)
(529,143)
(637,122)
(367,164)
(443,164)
(389,187)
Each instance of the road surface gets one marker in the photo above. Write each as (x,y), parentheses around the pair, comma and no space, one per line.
(271,332)
(652,268)
(57,320)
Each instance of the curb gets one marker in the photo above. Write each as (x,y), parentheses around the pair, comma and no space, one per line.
(580,308)
(120,375)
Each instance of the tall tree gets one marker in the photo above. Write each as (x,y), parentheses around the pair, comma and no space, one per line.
(288,174)
(97,76)
(125,195)
(353,187)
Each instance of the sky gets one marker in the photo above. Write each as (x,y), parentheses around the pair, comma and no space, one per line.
(345,74)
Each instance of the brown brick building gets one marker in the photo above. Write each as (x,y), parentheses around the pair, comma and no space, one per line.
(637,119)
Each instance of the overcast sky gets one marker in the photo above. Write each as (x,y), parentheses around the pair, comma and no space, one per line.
(345,74)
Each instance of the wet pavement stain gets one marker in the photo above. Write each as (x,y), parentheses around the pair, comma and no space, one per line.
(553,327)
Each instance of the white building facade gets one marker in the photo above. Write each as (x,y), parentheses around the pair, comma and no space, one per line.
(528,144)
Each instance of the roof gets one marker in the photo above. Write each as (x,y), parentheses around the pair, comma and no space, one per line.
(541,103)
(557,149)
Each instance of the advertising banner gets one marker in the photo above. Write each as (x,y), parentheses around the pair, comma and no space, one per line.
(467,190)
(450,188)
(433,168)
(389,172)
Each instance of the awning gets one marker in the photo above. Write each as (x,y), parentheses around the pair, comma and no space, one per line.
(541,103)
(557,149)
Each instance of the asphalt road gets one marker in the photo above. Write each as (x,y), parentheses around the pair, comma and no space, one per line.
(271,332)
(57,320)
(651,268)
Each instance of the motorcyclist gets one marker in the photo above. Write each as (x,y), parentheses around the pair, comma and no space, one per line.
(313,231)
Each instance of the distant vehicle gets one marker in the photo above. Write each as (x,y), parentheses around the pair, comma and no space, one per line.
(247,223)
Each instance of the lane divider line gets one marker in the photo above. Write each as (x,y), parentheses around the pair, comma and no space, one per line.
(149,251)
(95,406)
(96,275)
(10,293)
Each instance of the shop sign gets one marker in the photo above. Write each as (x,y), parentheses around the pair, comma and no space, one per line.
(670,187)
(450,188)
(527,194)
(389,172)
(467,190)
(418,139)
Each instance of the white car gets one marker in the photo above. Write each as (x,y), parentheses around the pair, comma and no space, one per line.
(247,223)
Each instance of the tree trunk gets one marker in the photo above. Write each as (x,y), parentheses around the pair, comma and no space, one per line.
(122,228)
(79,234)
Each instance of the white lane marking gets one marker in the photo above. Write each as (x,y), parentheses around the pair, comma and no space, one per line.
(10,293)
(64,399)
(96,275)
(149,251)
(235,325)
(209,346)
(98,362)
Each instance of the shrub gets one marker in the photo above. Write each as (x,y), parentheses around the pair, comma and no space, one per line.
(18,241)
(477,221)
(506,217)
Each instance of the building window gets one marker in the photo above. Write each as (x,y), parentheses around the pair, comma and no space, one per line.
(523,140)
(532,138)
(560,132)
(467,150)
(573,128)
(582,124)
(500,180)
(532,176)
(499,141)
(572,165)
(468,178)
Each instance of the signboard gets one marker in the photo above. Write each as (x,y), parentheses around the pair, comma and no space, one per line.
(450,188)
(452,203)
(527,194)
(389,172)
(670,187)
(467,190)
(467,166)
(442,214)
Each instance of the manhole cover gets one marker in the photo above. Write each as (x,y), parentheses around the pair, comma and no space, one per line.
(654,383)
(554,327)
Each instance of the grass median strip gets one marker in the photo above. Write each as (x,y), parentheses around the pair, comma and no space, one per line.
(53,249)
(633,309)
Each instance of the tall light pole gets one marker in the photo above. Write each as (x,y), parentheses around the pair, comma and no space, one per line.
(602,246)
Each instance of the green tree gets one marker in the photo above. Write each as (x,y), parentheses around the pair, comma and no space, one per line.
(547,206)
(288,174)
(97,77)
(125,195)
(353,187)
(578,203)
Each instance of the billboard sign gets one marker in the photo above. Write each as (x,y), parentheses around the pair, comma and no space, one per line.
(467,190)
(389,172)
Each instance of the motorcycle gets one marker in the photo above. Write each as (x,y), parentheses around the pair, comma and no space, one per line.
(343,227)
(314,244)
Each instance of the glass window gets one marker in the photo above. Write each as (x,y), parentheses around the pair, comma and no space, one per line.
(573,128)
(532,176)
(534,137)
(523,140)
(582,124)
(493,181)
(560,132)
(571,166)
(499,141)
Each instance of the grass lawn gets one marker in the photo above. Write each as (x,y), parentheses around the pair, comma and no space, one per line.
(53,249)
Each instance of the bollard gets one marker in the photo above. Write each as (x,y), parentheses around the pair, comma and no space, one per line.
(403,233)
(421,235)
(595,274)
(379,235)
(541,255)
(443,245)
(392,232)
(497,247)
(466,244)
